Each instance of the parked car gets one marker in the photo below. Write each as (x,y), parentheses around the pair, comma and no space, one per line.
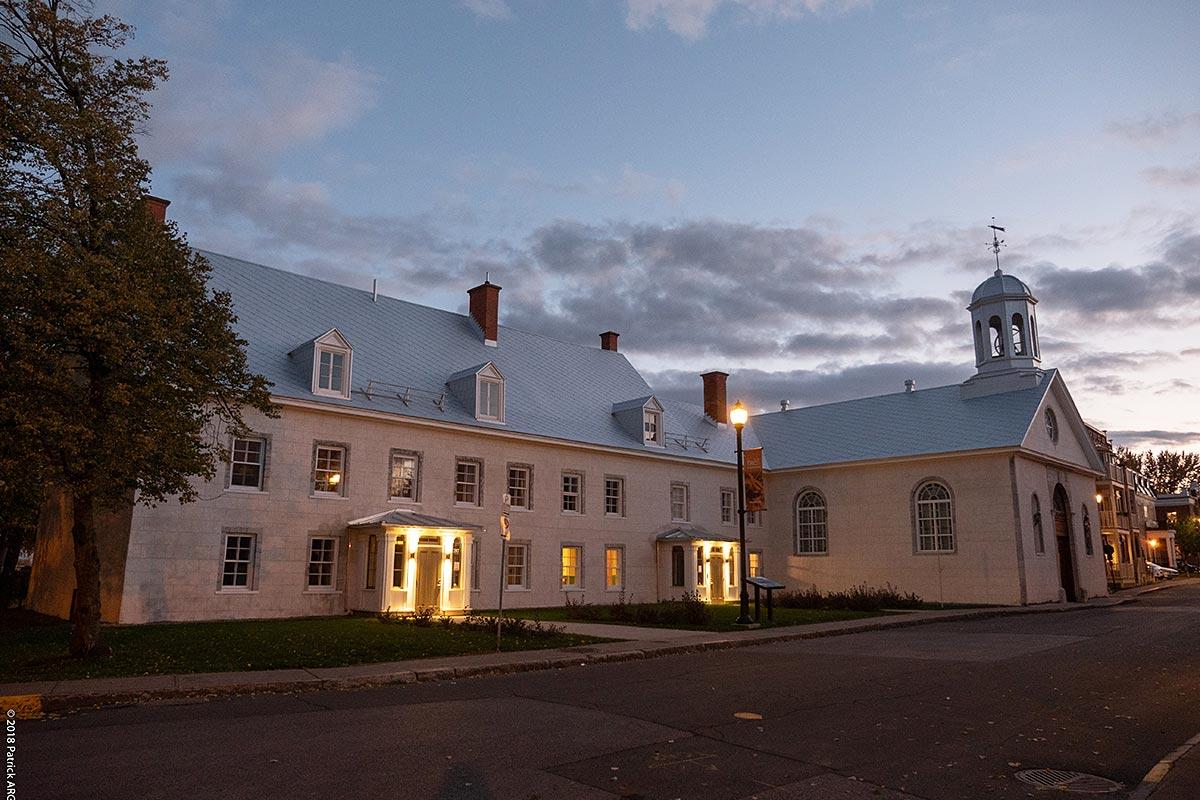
(1160,572)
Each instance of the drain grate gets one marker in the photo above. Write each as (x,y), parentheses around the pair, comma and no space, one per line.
(1064,781)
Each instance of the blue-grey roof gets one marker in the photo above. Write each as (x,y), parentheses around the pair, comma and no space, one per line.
(552,388)
(687,532)
(923,422)
(408,518)
(1001,284)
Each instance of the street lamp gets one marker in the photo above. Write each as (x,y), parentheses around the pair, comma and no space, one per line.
(738,416)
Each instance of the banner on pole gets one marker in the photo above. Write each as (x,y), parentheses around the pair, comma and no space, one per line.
(756,498)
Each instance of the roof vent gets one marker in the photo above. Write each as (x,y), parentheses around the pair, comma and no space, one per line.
(910,386)
(784,405)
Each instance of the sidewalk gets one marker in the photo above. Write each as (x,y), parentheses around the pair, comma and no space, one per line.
(1176,777)
(33,700)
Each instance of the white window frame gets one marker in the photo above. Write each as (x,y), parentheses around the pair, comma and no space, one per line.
(1051,425)
(619,482)
(572,497)
(929,510)
(476,555)
(483,412)
(457,563)
(340,490)
(577,549)
(246,555)
(400,556)
(620,550)
(331,565)
(753,519)
(415,478)
(652,427)
(234,462)
(729,518)
(810,527)
(682,504)
(509,550)
(521,500)
(755,554)
(477,483)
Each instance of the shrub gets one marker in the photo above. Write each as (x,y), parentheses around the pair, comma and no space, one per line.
(512,626)
(856,598)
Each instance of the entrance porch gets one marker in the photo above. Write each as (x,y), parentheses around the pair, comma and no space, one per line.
(694,560)
(401,561)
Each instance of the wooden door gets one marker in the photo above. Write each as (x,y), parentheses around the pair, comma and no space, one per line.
(429,578)
(716,578)
(1062,536)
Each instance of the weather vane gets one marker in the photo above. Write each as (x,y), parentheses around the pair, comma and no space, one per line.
(996,242)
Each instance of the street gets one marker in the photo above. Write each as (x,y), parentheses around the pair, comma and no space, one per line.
(938,711)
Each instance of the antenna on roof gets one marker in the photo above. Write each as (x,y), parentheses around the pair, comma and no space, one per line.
(996,243)
(375,290)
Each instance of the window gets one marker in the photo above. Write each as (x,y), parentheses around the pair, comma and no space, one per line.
(456,563)
(731,566)
(1051,425)
(727,507)
(519,485)
(572,566)
(572,493)
(614,568)
(1039,538)
(237,567)
(489,399)
(679,502)
(1018,335)
(699,566)
(466,482)
(476,544)
(331,371)
(329,464)
(935,520)
(320,562)
(1172,517)
(677,568)
(651,426)
(753,519)
(372,560)
(402,478)
(614,496)
(810,535)
(756,569)
(1088,547)
(996,331)
(399,562)
(516,566)
(246,464)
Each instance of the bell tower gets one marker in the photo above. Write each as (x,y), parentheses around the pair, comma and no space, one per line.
(1004,327)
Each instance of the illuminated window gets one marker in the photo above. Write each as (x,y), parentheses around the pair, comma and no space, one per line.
(756,564)
(399,562)
(572,567)
(329,470)
(614,568)
(810,535)
(935,518)
(456,564)
(699,566)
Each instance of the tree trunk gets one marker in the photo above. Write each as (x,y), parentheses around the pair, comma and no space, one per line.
(85,632)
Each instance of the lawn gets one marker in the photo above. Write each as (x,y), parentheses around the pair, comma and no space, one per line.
(35,649)
(723,616)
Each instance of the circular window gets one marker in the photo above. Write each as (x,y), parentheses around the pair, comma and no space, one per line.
(1052,425)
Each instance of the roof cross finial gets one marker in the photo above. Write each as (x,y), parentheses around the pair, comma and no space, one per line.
(996,243)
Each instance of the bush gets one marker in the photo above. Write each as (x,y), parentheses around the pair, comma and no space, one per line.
(512,626)
(690,610)
(856,598)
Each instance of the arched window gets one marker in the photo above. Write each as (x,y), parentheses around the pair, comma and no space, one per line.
(996,332)
(1039,538)
(935,518)
(1018,335)
(1052,425)
(456,564)
(980,353)
(810,534)
(1087,532)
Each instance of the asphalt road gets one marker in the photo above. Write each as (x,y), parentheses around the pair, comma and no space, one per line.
(941,711)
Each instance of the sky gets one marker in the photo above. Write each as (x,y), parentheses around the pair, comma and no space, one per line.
(794,191)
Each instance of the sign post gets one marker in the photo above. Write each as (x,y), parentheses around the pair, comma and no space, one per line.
(505,505)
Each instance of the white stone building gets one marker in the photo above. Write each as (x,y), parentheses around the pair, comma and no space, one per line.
(379,487)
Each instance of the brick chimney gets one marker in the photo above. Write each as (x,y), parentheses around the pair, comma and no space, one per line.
(485,309)
(608,340)
(157,207)
(714,396)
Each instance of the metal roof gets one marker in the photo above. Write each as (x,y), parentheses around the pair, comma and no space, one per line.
(693,533)
(923,422)
(1001,284)
(411,519)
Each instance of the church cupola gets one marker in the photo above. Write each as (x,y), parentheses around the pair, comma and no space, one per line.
(1004,328)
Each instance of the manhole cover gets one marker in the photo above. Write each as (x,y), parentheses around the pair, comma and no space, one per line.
(747,715)
(1064,781)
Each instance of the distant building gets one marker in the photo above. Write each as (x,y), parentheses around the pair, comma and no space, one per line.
(380,485)
(1172,510)
(1126,511)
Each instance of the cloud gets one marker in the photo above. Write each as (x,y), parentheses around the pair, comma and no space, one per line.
(1180,177)
(763,390)
(1159,438)
(1154,129)
(632,183)
(488,9)
(689,18)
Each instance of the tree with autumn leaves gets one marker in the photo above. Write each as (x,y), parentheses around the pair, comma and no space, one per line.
(119,362)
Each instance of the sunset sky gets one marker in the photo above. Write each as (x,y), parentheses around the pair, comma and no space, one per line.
(794,191)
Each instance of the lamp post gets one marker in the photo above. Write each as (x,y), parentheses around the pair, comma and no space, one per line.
(738,416)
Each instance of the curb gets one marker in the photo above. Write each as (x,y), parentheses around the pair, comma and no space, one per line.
(37,706)
(1158,773)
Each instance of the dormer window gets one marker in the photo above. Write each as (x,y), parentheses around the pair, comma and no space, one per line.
(332,371)
(652,426)
(489,394)
(332,361)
